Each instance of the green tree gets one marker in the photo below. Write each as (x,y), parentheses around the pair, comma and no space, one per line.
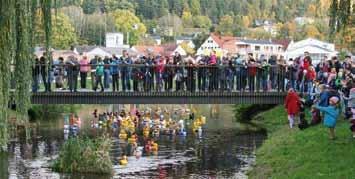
(112,5)
(176,6)
(202,22)
(200,38)
(226,25)
(163,8)
(195,7)
(170,25)
(311,31)
(333,11)
(187,19)
(63,33)
(344,14)
(89,6)
(128,23)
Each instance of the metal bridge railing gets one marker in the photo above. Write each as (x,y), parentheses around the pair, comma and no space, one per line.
(189,78)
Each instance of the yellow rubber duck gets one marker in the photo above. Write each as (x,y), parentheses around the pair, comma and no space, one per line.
(132,140)
(123,134)
(155,146)
(124,160)
(146,132)
(203,120)
(124,123)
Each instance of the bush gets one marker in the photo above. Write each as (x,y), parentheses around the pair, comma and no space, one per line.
(245,112)
(50,111)
(84,155)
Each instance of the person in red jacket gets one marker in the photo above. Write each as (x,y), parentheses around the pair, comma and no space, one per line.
(252,67)
(310,77)
(292,105)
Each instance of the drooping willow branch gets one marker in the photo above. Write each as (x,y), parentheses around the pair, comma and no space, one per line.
(22,58)
(16,46)
(6,41)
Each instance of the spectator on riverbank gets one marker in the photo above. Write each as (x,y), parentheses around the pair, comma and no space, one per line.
(292,103)
(331,114)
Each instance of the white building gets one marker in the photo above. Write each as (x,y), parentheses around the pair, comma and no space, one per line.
(259,47)
(316,48)
(185,39)
(303,20)
(220,44)
(157,39)
(114,40)
(180,50)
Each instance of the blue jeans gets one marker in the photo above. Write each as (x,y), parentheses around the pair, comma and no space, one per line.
(264,83)
(309,86)
(35,83)
(107,79)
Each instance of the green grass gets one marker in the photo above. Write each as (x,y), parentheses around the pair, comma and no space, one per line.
(303,154)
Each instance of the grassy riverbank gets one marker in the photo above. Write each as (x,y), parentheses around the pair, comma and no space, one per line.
(302,154)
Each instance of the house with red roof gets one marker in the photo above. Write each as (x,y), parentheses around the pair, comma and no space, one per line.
(165,50)
(218,43)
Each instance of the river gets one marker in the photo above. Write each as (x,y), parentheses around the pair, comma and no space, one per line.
(221,152)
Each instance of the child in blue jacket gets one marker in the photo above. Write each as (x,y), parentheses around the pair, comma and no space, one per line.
(331,114)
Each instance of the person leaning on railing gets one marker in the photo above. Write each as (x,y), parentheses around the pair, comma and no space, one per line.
(84,69)
(99,73)
(93,63)
(35,74)
(114,71)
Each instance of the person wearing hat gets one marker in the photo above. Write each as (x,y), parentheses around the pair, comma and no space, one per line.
(331,114)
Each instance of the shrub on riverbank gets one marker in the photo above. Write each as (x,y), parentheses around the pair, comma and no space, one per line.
(83,155)
(50,111)
(303,154)
(245,112)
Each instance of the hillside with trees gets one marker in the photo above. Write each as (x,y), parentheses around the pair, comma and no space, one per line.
(170,18)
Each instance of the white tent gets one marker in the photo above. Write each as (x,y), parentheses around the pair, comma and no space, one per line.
(97,51)
(316,48)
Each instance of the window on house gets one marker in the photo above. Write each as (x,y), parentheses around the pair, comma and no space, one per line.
(257,48)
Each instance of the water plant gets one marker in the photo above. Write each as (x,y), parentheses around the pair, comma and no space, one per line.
(84,155)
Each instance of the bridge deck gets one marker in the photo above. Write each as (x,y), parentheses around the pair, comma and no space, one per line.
(158,98)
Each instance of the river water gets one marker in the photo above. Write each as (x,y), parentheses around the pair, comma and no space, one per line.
(221,152)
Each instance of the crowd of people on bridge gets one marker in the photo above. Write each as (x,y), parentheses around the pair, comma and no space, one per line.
(175,73)
(326,84)
(165,73)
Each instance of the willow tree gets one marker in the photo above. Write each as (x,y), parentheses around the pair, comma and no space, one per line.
(16,47)
(6,39)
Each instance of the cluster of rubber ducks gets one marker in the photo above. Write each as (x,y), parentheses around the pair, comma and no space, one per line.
(150,124)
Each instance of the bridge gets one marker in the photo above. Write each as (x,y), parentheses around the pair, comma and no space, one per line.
(198,84)
(158,98)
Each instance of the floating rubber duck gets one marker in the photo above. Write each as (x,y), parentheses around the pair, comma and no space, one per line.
(146,132)
(123,134)
(199,132)
(203,120)
(138,152)
(154,146)
(124,160)
(132,140)
(156,132)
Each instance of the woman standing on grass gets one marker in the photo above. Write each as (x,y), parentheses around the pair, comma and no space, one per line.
(331,114)
(292,105)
